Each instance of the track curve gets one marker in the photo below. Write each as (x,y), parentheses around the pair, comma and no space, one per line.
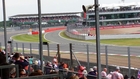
(77,45)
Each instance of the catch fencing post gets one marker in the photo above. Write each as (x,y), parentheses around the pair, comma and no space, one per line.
(23,48)
(58,52)
(106,53)
(0,45)
(47,44)
(16,46)
(71,59)
(30,48)
(11,46)
(87,57)
(129,62)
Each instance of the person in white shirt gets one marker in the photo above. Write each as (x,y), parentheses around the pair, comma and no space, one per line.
(121,76)
(103,73)
(109,76)
(115,74)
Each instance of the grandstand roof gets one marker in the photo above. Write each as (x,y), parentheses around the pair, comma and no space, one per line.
(46,14)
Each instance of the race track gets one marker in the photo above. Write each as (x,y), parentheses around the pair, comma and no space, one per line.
(77,45)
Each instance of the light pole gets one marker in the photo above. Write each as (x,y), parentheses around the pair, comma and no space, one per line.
(85,9)
(97,38)
(40,35)
(5,31)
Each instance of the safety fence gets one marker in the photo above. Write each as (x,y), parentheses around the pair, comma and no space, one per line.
(125,57)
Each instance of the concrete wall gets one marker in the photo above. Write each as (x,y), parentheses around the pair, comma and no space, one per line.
(82,37)
(74,36)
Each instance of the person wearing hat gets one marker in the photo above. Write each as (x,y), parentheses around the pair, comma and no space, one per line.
(115,74)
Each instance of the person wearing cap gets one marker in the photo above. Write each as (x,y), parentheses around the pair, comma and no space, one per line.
(115,74)
(95,70)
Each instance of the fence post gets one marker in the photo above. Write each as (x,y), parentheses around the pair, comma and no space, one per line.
(58,52)
(129,62)
(23,48)
(71,59)
(16,46)
(106,53)
(0,44)
(11,46)
(17,69)
(48,50)
(30,48)
(87,57)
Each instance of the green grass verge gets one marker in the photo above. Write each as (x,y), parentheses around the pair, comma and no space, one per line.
(122,42)
(28,38)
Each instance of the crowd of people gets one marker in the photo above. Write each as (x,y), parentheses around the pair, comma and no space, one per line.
(45,18)
(115,9)
(29,66)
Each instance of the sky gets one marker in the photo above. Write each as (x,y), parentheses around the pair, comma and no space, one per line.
(15,7)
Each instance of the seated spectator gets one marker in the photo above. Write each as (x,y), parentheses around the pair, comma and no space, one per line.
(36,73)
(132,77)
(81,75)
(74,77)
(126,77)
(39,71)
(13,72)
(49,68)
(19,60)
(70,73)
(91,74)
(30,60)
(103,73)
(22,73)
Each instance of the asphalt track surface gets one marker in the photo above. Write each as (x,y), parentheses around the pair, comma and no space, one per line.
(77,46)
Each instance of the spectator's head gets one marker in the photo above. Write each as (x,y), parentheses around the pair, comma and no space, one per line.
(126,77)
(94,67)
(16,56)
(13,72)
(117,68)
(35,74)
(31,56)
(105,69)
(74,77)
(91,69)
(81,68)
(39,71)
(132,77)
(22,73)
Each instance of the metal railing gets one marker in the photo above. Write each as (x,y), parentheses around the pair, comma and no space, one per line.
(5,71)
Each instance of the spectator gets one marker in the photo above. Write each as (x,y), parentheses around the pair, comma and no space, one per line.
(22,73)
(132,77)
(126,77)
(80,72)
(30,60)
(19,60)
(91,74)
(70,73)
(115,74)
(103,73)
(109,76)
